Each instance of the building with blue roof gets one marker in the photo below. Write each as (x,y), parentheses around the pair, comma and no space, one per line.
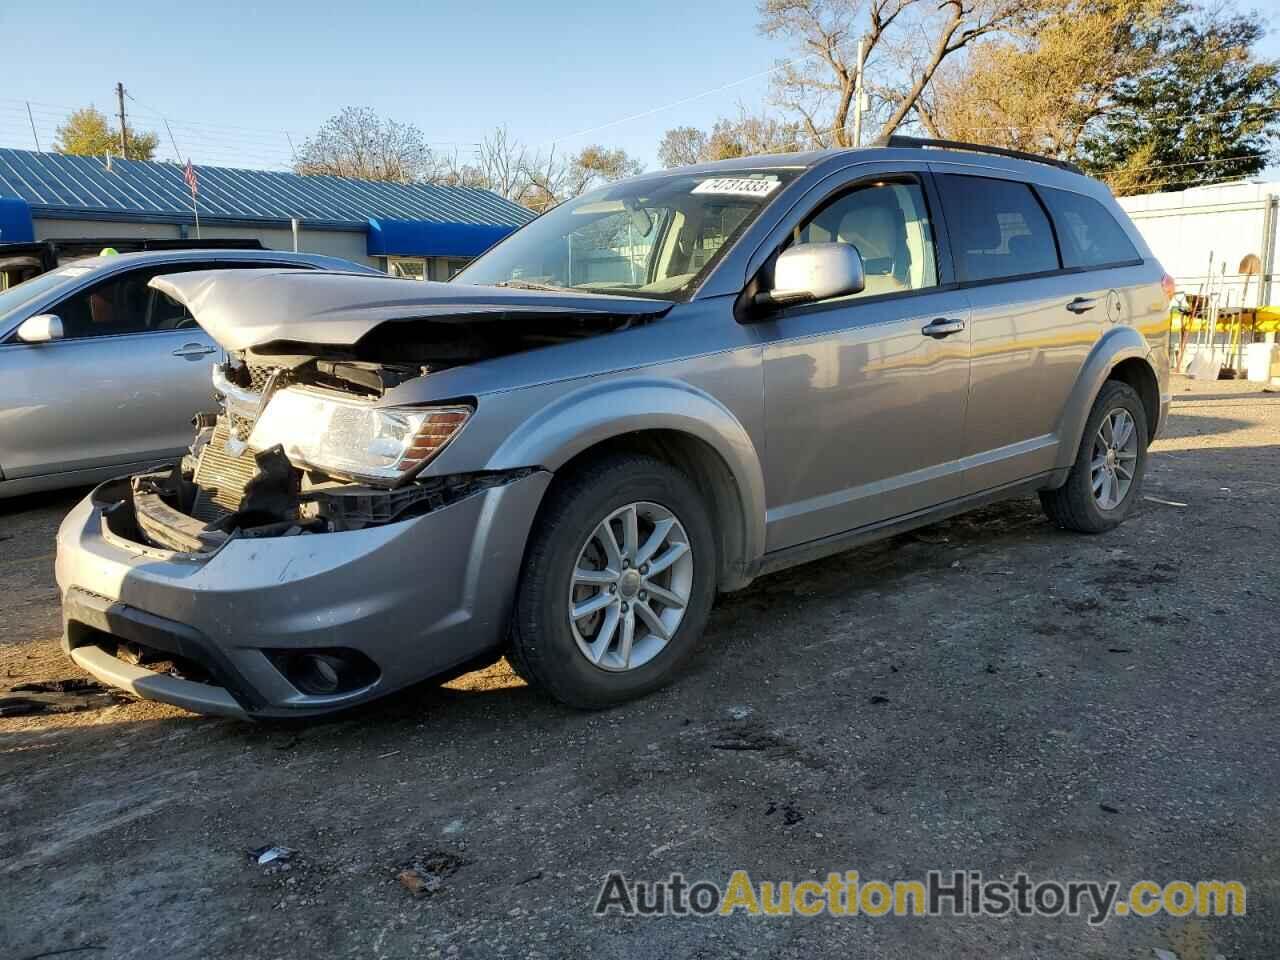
(410,229)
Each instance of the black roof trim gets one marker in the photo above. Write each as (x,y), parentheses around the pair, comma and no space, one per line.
(895,140)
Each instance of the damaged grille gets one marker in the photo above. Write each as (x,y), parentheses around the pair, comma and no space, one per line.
(259,374)
(220,478)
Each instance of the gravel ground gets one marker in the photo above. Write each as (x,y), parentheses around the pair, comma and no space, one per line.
(986,694)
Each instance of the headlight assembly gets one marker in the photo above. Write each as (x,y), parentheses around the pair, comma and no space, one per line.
(345,437)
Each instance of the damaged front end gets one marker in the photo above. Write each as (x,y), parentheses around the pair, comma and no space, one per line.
(305,440)
(290,454)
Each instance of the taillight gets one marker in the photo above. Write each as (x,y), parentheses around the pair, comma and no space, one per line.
(1169,287)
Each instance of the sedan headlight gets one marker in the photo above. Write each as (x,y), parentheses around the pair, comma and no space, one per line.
(355,439)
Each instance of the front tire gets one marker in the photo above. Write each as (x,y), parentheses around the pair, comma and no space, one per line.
(1106,479)
(618,582)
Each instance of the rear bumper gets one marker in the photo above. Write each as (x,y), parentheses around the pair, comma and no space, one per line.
(416,598)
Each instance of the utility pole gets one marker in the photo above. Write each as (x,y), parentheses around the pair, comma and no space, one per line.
(124,130)
(858,95)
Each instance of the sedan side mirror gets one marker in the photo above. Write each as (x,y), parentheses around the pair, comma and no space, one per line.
(815,271)
(41,328)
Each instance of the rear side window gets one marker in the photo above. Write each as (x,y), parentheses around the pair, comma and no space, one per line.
(1089,234)
(998,228)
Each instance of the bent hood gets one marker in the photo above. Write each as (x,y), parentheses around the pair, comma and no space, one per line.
(243,309)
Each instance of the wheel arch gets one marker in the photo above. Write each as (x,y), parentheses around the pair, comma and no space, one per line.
(671,421)
(1121,354)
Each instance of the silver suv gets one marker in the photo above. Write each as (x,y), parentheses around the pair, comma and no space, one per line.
(652,394)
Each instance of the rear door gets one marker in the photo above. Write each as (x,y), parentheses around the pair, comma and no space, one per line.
(865,407)
(1034,323)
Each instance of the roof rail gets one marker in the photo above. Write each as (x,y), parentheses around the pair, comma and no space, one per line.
(895,140)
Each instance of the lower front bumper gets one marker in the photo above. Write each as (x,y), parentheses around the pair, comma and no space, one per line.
(416,598)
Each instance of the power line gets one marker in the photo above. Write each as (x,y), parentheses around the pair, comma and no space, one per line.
(678,103)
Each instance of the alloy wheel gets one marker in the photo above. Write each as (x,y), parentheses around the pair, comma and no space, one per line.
(1114,459)
(632,582)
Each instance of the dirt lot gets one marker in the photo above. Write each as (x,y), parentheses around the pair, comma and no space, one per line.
(988,694)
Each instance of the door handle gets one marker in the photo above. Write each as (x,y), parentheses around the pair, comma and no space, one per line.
(193,351)
(942,327)
(1082,304)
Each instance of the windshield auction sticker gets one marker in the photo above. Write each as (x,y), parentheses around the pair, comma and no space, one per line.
(738,186)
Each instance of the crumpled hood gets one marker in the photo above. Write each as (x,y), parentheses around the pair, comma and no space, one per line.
(242,309)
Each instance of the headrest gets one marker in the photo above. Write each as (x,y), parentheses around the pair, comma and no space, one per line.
(982,229)
(874,228)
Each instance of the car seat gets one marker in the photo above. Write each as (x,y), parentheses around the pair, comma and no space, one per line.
(876,226)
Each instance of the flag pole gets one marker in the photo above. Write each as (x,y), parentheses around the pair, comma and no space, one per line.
(190,176)
(195,208)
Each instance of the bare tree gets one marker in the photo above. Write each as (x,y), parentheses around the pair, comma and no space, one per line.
(529,177)
(907,39)
(498,163)
(359,143)
(682,147)
(590,167)
(748,135)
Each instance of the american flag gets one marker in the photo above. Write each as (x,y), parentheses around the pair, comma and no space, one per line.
(189,175)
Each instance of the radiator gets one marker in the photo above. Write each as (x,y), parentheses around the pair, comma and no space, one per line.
(220,478)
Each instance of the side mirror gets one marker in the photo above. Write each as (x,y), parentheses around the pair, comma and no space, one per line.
(41,328)
(815,271)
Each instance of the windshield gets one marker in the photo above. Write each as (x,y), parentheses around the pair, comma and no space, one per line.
(17,297)
(655,237)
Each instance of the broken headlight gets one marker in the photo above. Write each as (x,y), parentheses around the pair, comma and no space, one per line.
(355,439)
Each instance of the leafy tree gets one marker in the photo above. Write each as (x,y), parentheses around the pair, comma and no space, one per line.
(1040,88)
(1147,94)
(87,133)
(359,143)
(1207,108)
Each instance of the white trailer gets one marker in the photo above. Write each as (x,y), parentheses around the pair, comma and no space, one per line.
(1229,221)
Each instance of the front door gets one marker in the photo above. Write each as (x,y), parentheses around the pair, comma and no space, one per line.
(120,387)
(865,395)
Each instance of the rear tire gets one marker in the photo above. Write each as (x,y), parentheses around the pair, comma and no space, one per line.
(1106,479)
(612,653)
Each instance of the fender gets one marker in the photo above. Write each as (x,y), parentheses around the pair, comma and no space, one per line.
(556,433)
(1118,344)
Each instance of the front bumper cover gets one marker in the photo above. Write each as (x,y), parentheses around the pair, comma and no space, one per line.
(418,597)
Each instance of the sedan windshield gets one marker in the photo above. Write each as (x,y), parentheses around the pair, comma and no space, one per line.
(654,237)
(15,298)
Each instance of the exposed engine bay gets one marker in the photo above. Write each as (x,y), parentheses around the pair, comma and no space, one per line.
(304,441)
(225,488)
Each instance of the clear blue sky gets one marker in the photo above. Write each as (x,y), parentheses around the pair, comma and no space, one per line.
(546,69)
(232,77)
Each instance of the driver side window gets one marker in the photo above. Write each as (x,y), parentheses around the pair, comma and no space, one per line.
(889,225)
(107,309)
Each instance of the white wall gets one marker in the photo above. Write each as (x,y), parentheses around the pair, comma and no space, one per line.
(1230,221)
(350,244)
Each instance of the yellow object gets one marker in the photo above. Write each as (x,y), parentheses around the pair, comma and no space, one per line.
(108,252)
(1268,319)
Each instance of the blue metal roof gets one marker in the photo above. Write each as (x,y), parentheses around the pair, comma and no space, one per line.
(58,186)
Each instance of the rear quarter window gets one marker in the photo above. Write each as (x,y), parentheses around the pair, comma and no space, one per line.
(998,228)
(1089,234)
